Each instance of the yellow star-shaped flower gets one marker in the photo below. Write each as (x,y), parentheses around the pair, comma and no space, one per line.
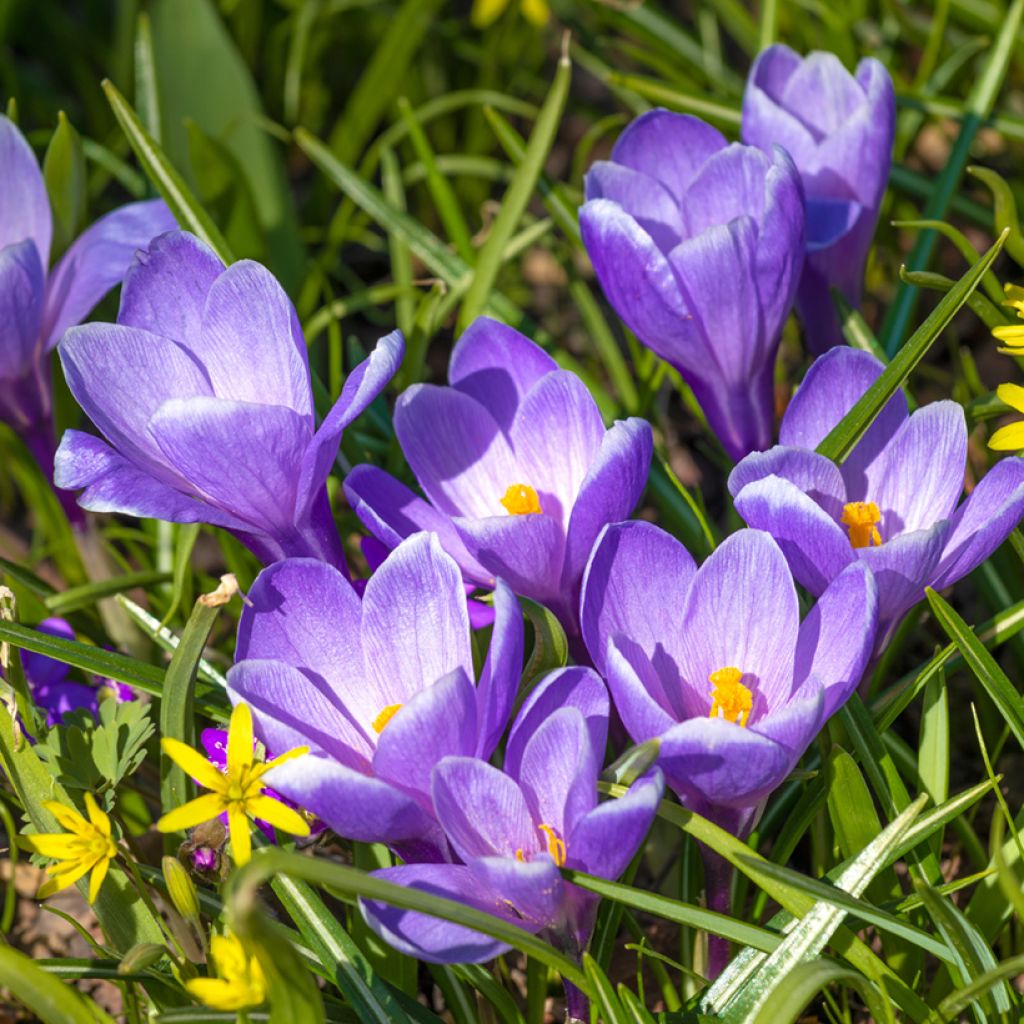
(487,11)
(238,791)
(239,984)
(86,846)
(1011,437)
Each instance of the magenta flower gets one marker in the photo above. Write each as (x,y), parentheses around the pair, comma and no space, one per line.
(513,830)
(37,306)
(839,129)
(698,246)
(894,504)
(202,390)
(379,689)
(518,469)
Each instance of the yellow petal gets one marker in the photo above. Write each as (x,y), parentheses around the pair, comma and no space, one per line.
(288,755)
(195,812)
(1011,333)
(96,879)
(67,817)
(487,11)
(59,846)
(240,738)
(193,763)
(61,879)
(1012,395)
(96,816)
(536,11)
(241,840)
(1008,439)
(218,994)
(278,815)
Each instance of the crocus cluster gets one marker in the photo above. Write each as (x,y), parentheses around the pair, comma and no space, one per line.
(37,303)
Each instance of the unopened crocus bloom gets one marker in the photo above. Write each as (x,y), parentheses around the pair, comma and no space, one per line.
(86,846)
(239,791)
(519,471)
(37,305)
(838,128)
(202,389)
(379,689)
(239,982)
(698,246)
(894,503)
(513,830)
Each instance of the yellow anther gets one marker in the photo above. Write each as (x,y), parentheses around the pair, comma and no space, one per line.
(385,716)
(521,500)
(520,856)
(556,847)
(862,517)
(730,699)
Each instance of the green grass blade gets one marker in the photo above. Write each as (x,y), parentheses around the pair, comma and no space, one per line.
(67,601)
(47,997)
(786,1005)
(608,1005)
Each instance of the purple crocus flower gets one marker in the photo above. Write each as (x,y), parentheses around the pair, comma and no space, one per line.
(37,306)
(839,129)
(203,390)
(698,246)
(517,466)
(513,830)
(894,503)
(51,688)
(379,689)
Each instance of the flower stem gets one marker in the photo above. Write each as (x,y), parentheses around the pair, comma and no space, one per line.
(718,890)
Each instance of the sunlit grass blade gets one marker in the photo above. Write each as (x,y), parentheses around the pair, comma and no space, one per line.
(67,601)
(787,1004)
(840,442)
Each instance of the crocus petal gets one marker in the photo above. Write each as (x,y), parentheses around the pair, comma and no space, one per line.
(635,585)
(21,306)
(165,288)
(429,938)
(557,406)
(361,387)
(292,710)
(649,202)
(534,888)
(239,456)
(97,260)
(814,544)
(722,763)
(639,692)
(669,147)
(121,376)
(559,770)
(499,678)
(415,627)
(822,92)
(742,612)
(24,205)
(437,722)
(40,669)
(796,722)
(983,521)
(833,385)
(456,449)
(611,490)
(808,471)
(482,811)
(728,187)
(497,366)
(526,551)
(246,304)
(837,637)
(605,839)
(917,479)
(354,805)
(766,122)
(392,512)
(576,687)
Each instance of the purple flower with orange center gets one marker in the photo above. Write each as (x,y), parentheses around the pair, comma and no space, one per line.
(894,503)
(379,689)
(517,467)
(202,389)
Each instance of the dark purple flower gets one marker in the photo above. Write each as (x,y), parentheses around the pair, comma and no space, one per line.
(203,390)
(716,662)
(51,688)
(513,830)
(839,129)
(894,503)
(380,689)
(698,246)
(517,466)
(36,305)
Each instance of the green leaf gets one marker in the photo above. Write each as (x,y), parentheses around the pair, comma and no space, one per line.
(189,214)
(71,600)
(517,196)
(850,806)
(50,999)
(786,1005)
(954,1004)
(65,177)
(608,1005)
(1003,693)
(550,646)
(933,750)
(1004,211)
(850,429)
